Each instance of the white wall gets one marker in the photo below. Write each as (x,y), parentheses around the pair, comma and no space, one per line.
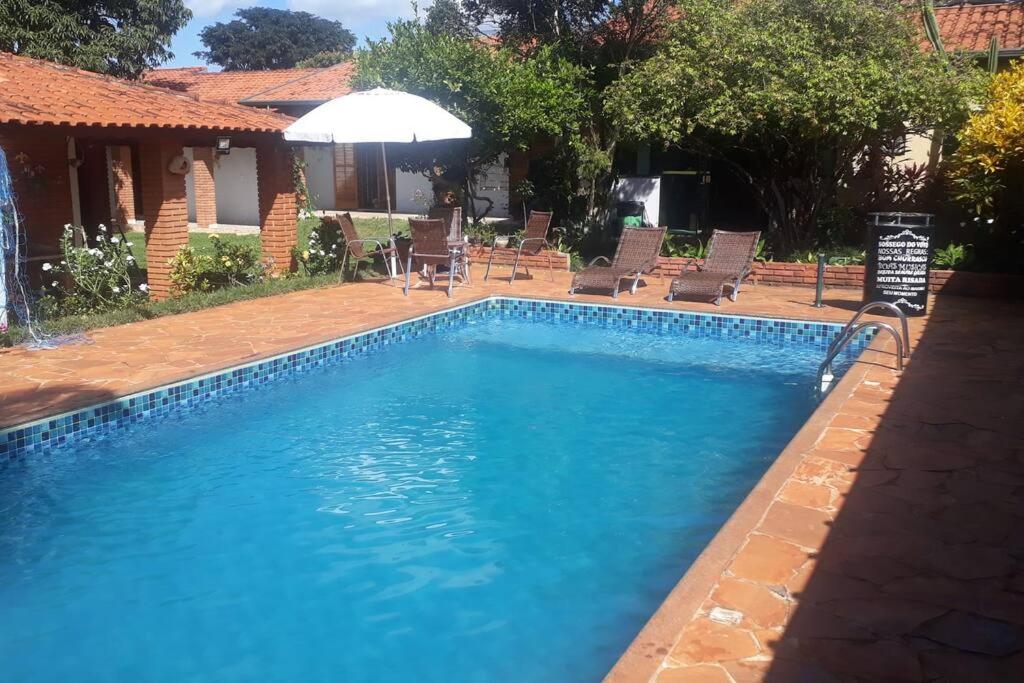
(646,189)
(190,186)
(406,185)
(320,175)
(235,177)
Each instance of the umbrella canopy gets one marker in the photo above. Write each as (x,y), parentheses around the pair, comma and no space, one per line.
(377,115)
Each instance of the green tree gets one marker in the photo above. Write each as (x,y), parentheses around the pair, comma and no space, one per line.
(790,94)
(446,17)
(268,38)
(509,100)
(604,37)
(117,37)
(324,59)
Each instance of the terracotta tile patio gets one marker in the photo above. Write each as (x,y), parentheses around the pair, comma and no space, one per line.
(885,543)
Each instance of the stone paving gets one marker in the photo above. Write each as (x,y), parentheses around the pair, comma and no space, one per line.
(886,543)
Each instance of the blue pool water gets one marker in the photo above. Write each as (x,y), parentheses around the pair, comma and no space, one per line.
(506,501)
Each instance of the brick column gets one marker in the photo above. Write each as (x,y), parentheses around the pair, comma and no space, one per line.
(124,185)
(278,208)
(165,210)
(202,176)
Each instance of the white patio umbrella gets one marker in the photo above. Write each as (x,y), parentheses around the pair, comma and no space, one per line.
(378,115)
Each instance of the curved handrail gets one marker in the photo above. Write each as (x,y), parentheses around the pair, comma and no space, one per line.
(826,365)
(872,305)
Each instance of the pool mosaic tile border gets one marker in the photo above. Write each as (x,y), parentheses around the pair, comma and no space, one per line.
(119,413)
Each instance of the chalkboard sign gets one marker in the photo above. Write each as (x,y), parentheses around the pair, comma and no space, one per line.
(899,252)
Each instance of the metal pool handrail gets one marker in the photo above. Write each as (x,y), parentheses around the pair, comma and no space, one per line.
(867,307)
(825,375)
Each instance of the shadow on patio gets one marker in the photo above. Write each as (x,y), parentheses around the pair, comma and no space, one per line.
(920,576)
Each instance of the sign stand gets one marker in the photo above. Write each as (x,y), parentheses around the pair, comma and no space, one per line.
(899,257)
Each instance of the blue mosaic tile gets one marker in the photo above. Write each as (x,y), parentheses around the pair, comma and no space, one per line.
(115,415)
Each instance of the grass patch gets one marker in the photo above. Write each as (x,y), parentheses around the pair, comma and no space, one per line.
(157,309)
(201,242)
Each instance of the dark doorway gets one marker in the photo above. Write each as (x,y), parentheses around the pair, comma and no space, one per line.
(93,185)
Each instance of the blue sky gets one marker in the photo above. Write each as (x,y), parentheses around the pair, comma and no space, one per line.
(362,17)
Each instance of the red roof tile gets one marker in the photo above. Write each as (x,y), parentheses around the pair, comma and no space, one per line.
(222,86)
(971,27)
(38,92)
(320,86)
(278,86)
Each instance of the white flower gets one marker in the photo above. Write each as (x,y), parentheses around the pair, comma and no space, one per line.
(96,252)
(63,263)
(67,227)
(47,266)
(130,244)
(115,239)
(54,283)
(129,258)
(323,253)
(108,264)
(117,290)
(990,221)
(143,287)
(103,228)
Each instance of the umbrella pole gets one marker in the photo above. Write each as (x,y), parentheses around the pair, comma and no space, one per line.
(391,228)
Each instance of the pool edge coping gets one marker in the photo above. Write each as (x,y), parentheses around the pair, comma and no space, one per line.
(644,656)
(332,338)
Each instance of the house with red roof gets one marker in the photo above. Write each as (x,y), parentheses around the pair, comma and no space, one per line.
(87,149)
(339,177)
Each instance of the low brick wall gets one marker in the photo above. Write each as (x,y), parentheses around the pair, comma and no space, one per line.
(506,257)
(993,285)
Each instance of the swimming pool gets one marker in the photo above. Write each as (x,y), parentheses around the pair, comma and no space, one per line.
(507,492)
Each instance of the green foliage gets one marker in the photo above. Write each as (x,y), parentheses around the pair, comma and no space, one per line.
(232,263)
(323,250)
(446,18)
(987,169)
(235,263)
(790,93)
(90,279)
(509,100)
(188,272)
(268,38)
(953,257)
(118,37)
(834,256)
(324,59)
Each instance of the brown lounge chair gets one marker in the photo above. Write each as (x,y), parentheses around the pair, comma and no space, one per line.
(356,249)
(636,254)
(729,260)
(535,239)
(430,248)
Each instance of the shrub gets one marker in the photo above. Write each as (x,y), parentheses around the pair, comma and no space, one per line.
(953,257)
(323,250)
(991,151)
(189,271)
(235,263)
(88,279)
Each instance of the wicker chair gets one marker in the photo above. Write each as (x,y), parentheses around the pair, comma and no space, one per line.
(535,239)
(356,249)
(729,260)
(452,217)
(430,248)
(636,254)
